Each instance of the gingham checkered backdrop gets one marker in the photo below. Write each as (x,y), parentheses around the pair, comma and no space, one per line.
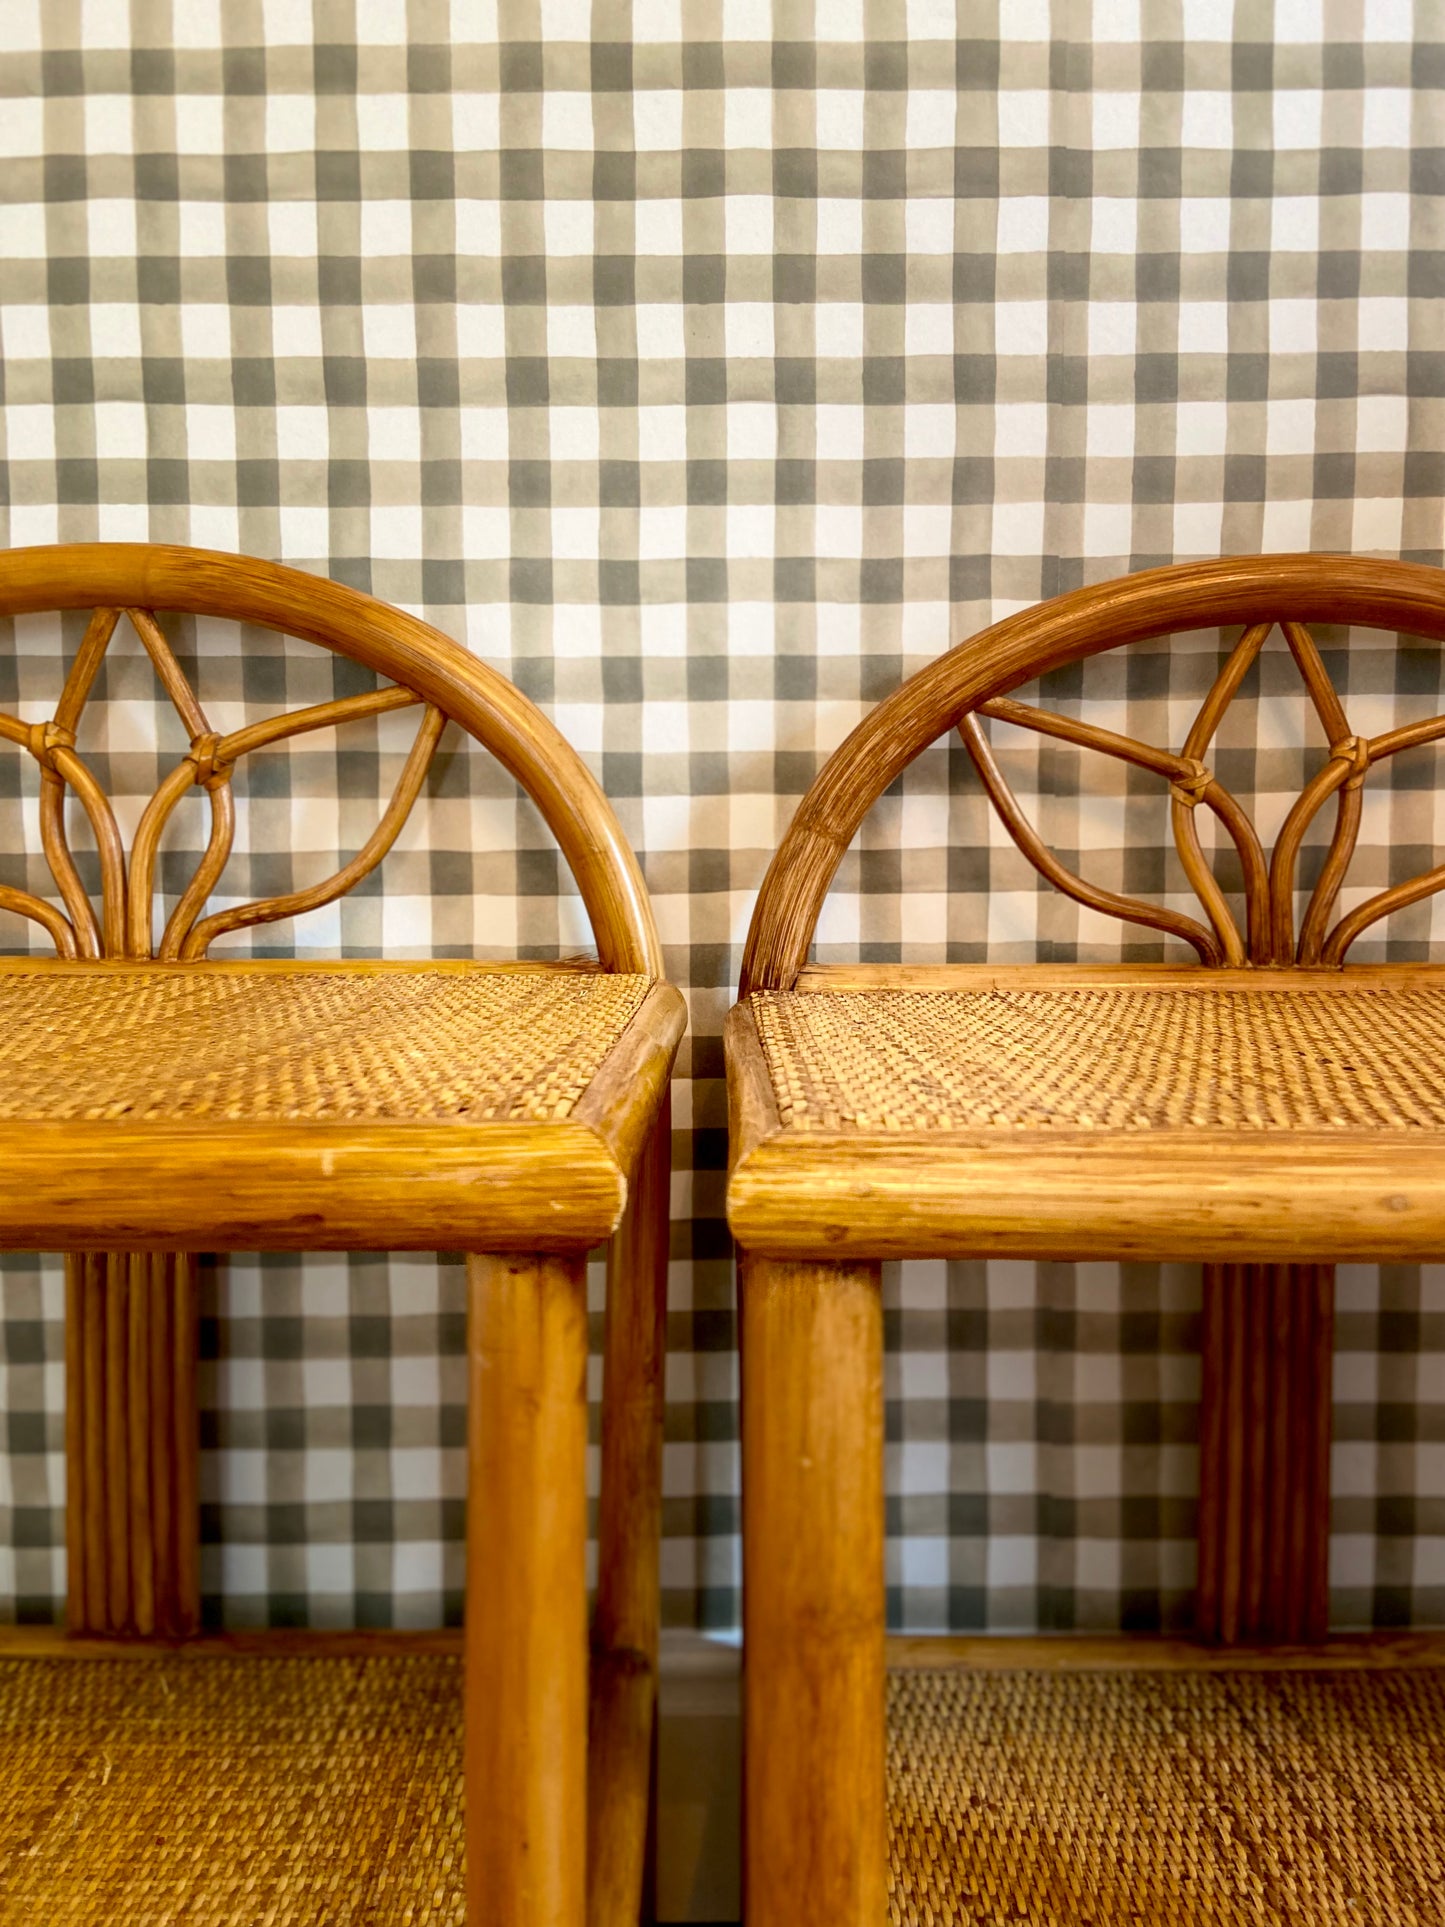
(707,365)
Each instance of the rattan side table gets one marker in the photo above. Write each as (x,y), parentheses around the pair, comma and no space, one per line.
(154,1103)
(1267,1110)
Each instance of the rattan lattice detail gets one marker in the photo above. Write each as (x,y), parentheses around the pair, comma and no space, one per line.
(1106,1059)
(124,927)
(406,1045)
(1269,884)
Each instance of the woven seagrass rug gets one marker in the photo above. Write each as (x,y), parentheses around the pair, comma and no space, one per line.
(255,1792)
(231,1792)
(1155,1799)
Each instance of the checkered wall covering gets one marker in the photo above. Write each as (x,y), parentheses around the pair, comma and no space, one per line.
(706,365)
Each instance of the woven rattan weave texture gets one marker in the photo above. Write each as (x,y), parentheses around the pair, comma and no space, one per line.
(1167,1799)
(1105,1059)
(230,1791)
(193,1044)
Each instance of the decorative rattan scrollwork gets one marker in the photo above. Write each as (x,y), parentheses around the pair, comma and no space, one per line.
(1269,884)
(124,927)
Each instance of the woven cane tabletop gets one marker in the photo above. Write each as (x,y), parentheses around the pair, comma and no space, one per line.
(192,1043)
(1100,1059)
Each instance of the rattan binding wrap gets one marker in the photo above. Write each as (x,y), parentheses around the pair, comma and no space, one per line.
(1106,1059)
(193,1044)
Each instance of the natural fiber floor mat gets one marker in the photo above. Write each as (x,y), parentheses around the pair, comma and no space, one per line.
(231,1793)
(254,1792)
(1154,1799)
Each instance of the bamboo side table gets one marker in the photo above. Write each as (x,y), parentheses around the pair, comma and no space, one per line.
(155,1103)
(1266,1110)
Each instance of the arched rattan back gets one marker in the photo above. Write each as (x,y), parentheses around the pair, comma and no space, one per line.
(975,679)
(427,669)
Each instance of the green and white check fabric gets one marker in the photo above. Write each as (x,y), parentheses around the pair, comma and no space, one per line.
(706,365)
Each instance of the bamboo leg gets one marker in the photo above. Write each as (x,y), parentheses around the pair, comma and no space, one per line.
(131,1435)
(184,1320)
(814,1821)
(1265,1453)
(75,1535)
(623,1708)
(118,1389)
(91,1488)
(160,1445)
(526,1633)
(140,1391)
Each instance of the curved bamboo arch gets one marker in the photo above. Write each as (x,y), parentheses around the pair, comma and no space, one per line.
(1291,590)
(138,577)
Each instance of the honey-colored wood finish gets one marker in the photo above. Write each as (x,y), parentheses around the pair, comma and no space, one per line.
(927,1652)
(622,1104)
(814,1821)
(307,1187)
(1264,1475)
(1291,590)
(1217,1195)
(1255,1206)
(132,1201)
(1162,1653)
(131,1444)
(625,1621)
(1164,977)
(110,577)
(915,1197)
(246,1184)
(526,1676)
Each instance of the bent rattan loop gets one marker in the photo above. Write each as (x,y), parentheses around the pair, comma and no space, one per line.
(1286,592)
(136,579)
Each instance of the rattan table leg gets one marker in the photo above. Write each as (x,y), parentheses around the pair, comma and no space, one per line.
(1264,1471)
(623,1709)
(526,1616)
(132,1444)
(814,1832)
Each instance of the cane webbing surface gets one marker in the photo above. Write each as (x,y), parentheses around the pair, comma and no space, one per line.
(231,1792)
(1106,1059)
(1167,1799)
(182,1043)
(309,1791)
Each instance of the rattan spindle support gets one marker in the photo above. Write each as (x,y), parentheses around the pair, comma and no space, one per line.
(1264,1453)
(132,1444)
